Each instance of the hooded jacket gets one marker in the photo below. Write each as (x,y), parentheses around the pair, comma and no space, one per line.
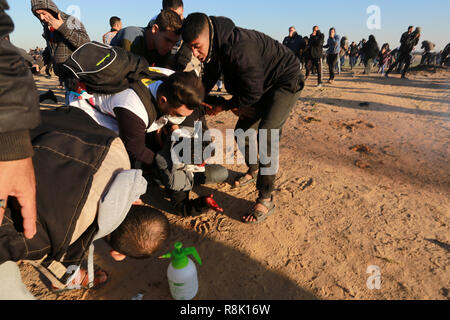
(69,37)
(18,97)
(251,62)
(370,49)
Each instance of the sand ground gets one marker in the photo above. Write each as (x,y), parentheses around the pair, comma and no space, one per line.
(364,181)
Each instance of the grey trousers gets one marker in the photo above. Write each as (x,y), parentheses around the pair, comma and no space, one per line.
(11,285)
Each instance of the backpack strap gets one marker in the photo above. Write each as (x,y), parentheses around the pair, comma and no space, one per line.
(144,94)
(141,88)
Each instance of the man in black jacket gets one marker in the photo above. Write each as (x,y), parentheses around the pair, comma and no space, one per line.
(409,41)
(315,54)
(295,42)
(370,51)
(264,78)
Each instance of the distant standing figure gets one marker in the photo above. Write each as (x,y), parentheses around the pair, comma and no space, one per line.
(370,50)
(295,42)
(334,47)
(445,55)
(353,53)
(428,52)
(116,26)
(315,53)
(408,44)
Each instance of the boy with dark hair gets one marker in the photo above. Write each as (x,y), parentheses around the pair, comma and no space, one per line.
(140,235)
(116,26)
(155,42)
(173,99)
(264,78)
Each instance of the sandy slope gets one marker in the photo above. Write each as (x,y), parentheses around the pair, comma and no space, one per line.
(384,203)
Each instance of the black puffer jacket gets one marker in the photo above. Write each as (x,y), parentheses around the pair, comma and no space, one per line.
(251,62)
(69,37)
(19,102)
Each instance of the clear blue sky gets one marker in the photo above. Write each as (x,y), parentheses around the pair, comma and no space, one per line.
(349,17)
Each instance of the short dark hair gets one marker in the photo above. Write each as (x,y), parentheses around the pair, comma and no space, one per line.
(172,4)
(183,88)
(113,21)
(142,233)
(410,27)
(194,25)
(168,20)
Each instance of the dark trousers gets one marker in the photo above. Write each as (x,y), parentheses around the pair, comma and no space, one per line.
(214,174)
(332,60)
(314,63)
(353,61)
(368,66)
(273,111)
(405,58)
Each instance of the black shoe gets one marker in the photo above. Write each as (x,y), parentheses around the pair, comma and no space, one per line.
(49,95)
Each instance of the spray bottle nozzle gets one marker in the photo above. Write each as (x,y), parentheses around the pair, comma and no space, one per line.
(180,254)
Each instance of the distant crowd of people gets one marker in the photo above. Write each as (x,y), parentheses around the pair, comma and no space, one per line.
(310,51)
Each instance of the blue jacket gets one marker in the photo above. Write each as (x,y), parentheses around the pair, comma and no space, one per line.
(334,45)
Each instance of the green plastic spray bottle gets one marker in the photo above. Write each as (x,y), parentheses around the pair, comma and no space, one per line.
(182,273)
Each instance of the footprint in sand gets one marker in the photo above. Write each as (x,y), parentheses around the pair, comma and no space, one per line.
(351,125)
(201,225)
(363,149)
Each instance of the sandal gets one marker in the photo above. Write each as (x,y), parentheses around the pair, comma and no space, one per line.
(261,216)
(101,277)
(244,181)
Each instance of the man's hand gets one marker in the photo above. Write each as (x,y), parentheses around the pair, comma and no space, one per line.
(55,23)
(17,180)
(245,112)
(36,67)
(212,110)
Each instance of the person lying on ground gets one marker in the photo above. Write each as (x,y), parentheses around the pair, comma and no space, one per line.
(179,173)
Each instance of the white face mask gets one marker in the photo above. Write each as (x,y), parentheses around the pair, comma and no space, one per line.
(175,120)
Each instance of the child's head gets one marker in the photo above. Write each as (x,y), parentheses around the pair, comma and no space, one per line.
(141,234)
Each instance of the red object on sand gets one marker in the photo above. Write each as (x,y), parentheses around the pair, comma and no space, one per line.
(213,204)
